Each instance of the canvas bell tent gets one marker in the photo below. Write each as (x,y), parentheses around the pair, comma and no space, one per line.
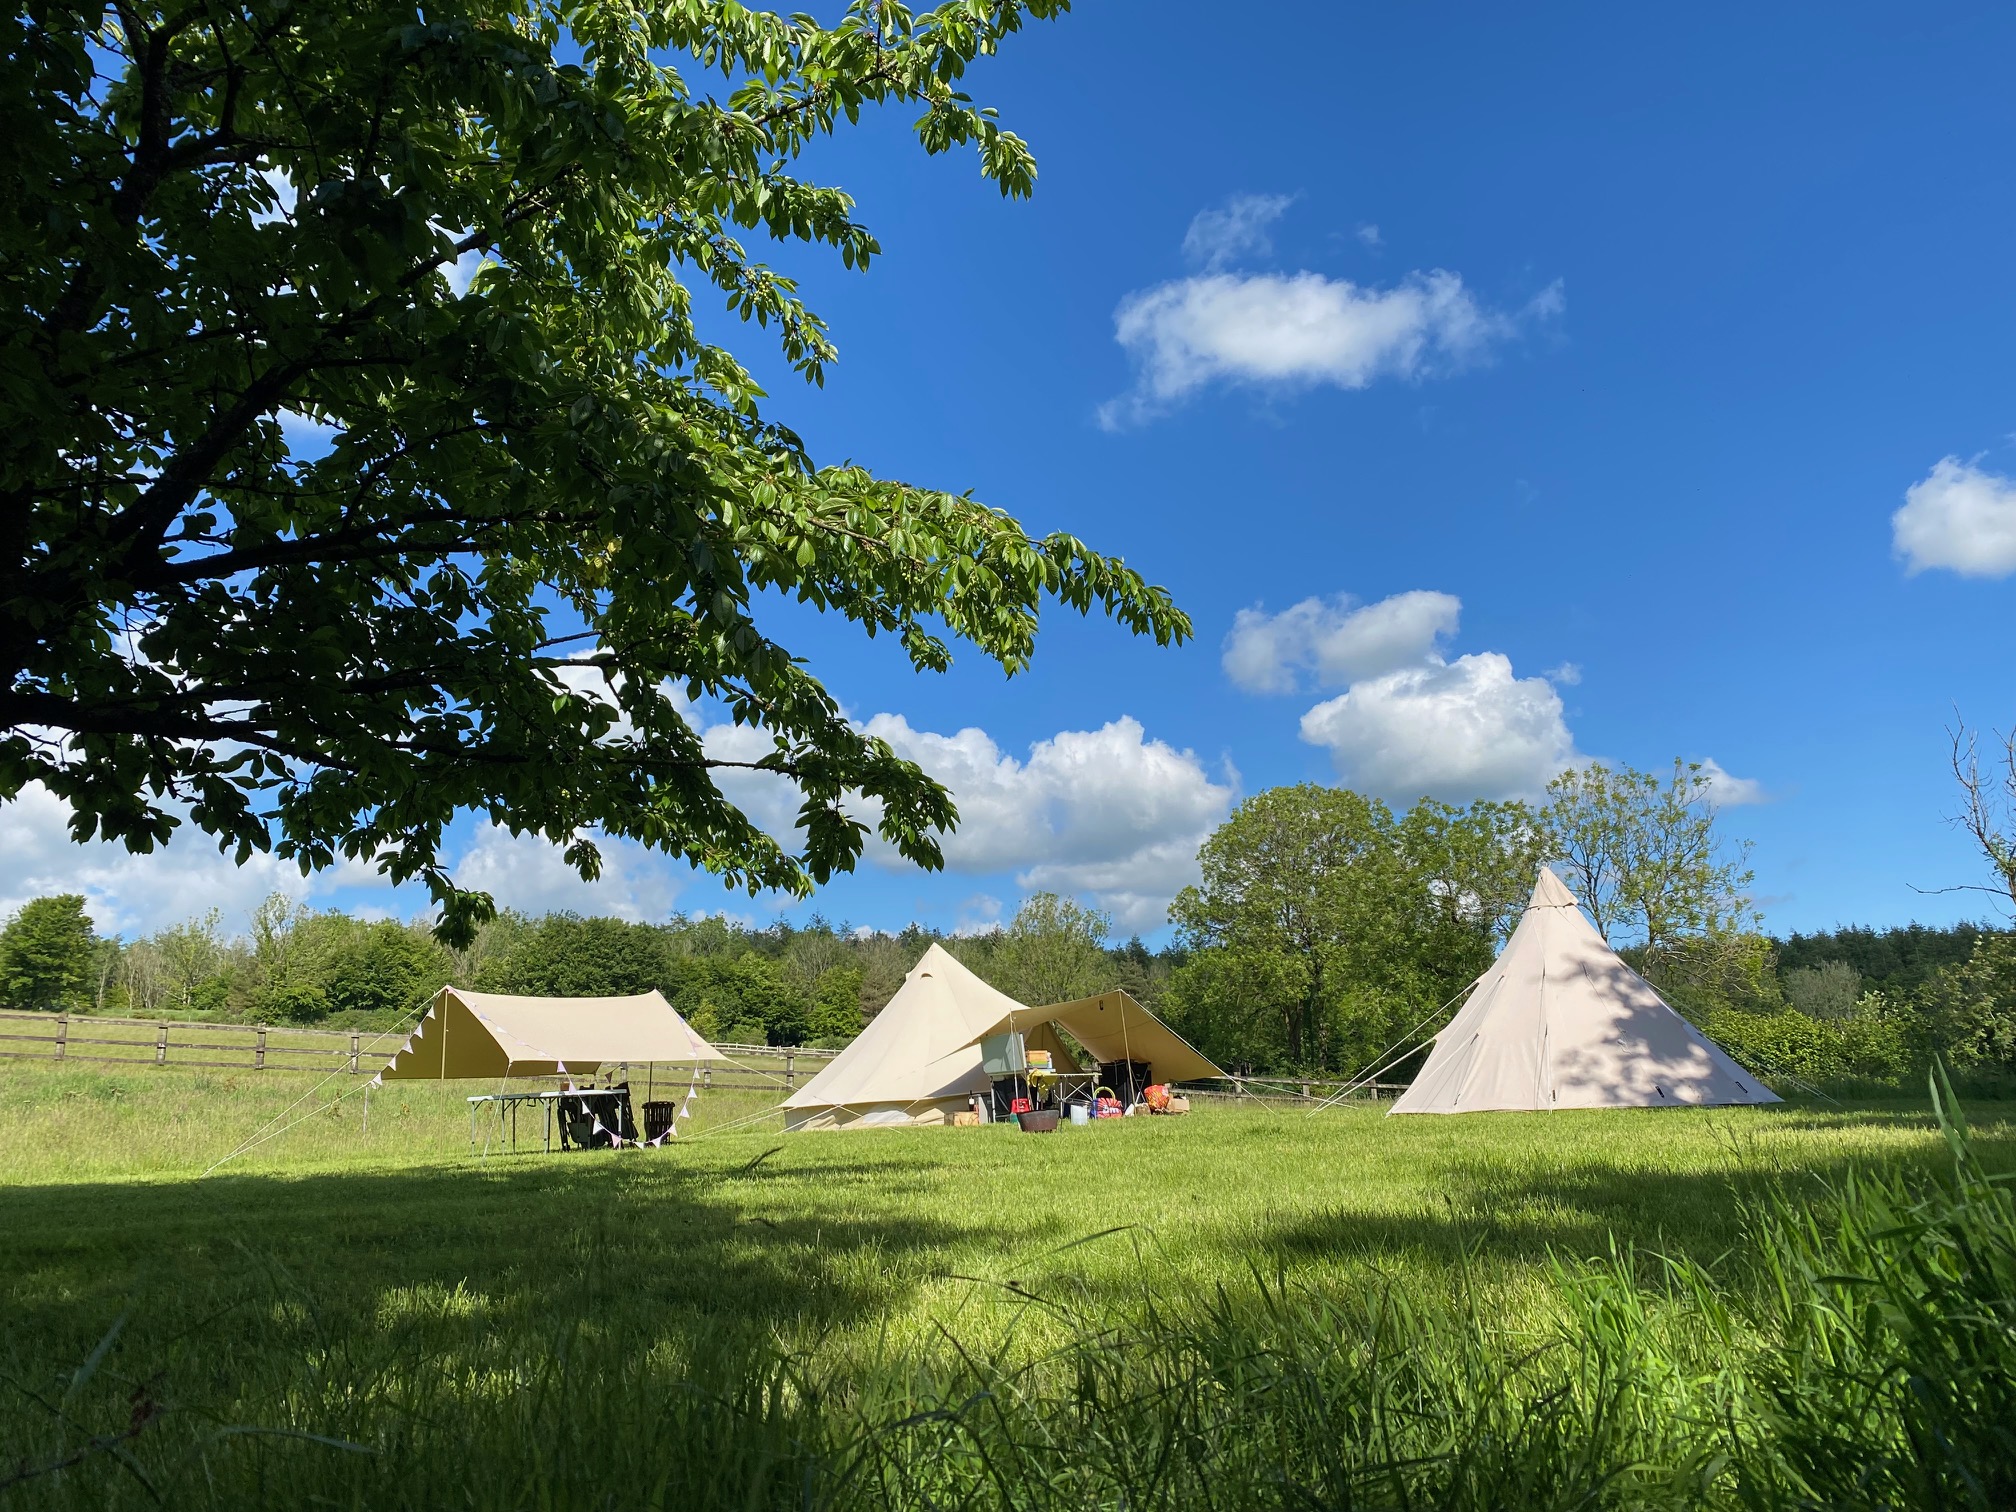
(917,1062)
(922,1058)
(494,1035)
(1560,1022)
(1112,1027)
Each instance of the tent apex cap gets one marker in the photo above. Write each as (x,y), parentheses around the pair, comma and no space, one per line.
(1549,891)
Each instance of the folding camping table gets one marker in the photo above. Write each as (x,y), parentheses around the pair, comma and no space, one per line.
(508,1104)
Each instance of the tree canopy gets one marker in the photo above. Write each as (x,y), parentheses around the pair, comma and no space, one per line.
(1317,932)
(468,249)
(46,952)
(1644,854)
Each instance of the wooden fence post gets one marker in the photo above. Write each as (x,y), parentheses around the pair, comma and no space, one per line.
(788,1065)
(259,1048)
(1305,1092)
(1238,1087)
(161,1047)
(62,1034)
(353,1056)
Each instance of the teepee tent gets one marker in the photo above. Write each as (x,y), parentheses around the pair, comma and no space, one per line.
(1560,1022)
(919,1059)
(494,1035)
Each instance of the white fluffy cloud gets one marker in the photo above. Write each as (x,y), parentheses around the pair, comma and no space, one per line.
(127,893)
(1959,518)
(1458,730)
(530,874)
(1413,723)
(1296,329)
(1726,790)
(1266,653)
(1107,813)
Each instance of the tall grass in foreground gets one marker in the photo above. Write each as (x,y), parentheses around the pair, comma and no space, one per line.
(1859,1351)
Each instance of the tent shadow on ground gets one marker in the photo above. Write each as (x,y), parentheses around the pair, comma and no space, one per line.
(691,1250)
(1508,1211)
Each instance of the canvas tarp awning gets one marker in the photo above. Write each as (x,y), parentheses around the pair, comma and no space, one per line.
(1559,1021)
(491,1034)
(1111,1027)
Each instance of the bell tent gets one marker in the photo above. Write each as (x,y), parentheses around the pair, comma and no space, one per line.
(921,1059)
(917,1062)
(1560,1022)
(494,1035)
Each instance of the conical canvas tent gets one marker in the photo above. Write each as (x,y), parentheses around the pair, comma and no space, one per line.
(918,1061)
(1112,1027)
(493,1035)
(1560,1022)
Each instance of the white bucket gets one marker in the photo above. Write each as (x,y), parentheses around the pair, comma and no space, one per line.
(1080,1115)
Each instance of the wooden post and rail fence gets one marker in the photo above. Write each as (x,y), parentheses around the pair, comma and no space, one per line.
(363,1052)
(106,1041)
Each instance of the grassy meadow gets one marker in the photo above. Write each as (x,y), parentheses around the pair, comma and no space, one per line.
(1248,1306)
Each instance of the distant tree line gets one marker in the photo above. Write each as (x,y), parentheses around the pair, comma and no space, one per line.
(815,984)
(1324,931)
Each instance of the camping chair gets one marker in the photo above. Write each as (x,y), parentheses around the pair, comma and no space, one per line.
(577,1124)
(618,1114)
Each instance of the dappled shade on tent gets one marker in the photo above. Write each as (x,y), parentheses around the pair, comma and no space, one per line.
(1559,1021)
(490,1034)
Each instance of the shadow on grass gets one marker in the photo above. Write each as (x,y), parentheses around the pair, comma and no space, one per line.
(1511,1209)
(683,1253)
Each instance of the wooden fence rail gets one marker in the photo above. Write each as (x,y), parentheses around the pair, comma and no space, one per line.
(264,1047)
(1287,1092)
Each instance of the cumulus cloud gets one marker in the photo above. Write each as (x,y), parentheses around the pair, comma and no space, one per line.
(1960,518)
(530,874)
(127,893)
(1567,675)
(1290,330)
(1726,790)
(1335,641)
(1369,234)
(1107,813)
(1456,730)
(1217,237)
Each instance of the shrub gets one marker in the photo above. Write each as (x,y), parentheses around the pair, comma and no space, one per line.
(1874,1045)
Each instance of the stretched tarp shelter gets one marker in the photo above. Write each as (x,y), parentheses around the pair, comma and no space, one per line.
(1560,1022)
(1111,1027)
(918,1061)
(494,1035)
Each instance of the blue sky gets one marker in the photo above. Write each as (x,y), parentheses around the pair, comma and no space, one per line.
(1612,340)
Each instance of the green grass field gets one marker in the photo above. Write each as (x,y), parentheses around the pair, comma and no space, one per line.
(377,1317)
